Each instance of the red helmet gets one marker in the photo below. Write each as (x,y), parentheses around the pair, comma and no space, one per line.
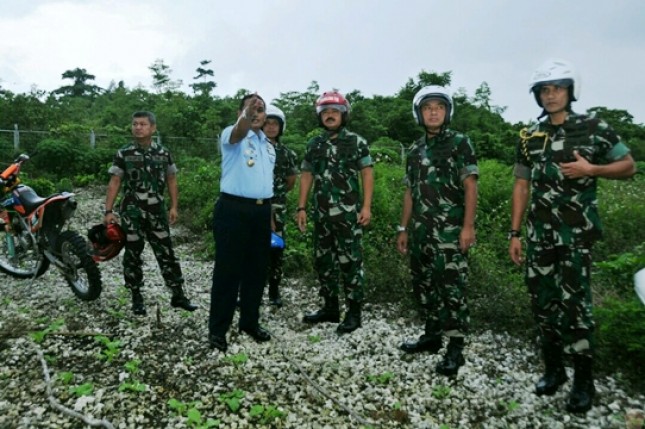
(333,100)
(107,241)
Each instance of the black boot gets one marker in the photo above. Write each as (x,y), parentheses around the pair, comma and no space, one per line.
(554,373)
(426,343)
(583,389)
(179,300)
(328,313)
(138,307)
(429,342)
(352,319)
(274,295)
(453,359)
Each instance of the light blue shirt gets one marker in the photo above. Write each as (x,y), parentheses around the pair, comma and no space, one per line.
(247,166)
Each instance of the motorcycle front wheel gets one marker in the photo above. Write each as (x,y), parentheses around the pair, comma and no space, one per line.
(19,256)
(80,270)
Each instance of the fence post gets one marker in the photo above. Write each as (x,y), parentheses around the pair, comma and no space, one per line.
(92,139)
(16,138)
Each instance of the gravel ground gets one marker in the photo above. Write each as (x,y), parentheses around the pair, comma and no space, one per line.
(306,377)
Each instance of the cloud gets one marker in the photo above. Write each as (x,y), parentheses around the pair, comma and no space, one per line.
(277,46)
(112,43)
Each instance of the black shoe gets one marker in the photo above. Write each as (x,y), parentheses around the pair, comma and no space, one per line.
(259,334)
(352,319)
(425,343)
(217,342)
(453,359)
(583,389)
(138,307)
(180,301)
(552,379)
(554,373)
(322,315)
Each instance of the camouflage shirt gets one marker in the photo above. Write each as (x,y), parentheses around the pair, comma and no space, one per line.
(285,166)
(143,174)
(335,166)
(564,211)
(435,172)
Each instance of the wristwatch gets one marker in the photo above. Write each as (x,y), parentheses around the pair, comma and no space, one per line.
(107,212)
(401,228)
(300,209)
(514,233)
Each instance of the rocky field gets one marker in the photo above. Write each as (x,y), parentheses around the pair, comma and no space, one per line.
(65,363)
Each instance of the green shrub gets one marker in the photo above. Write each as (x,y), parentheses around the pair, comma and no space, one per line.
(42,186)
(621,329)
(56,157)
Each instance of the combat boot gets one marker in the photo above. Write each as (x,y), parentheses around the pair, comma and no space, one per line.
(328,313)
(352,319)
(179,299)
(430,341)
(554,373)
(274,295)
(138,307)
(453,359)
(583,389)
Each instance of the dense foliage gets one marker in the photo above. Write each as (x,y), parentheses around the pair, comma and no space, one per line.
(73,132)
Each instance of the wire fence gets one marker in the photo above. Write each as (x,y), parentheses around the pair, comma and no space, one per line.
(13,142)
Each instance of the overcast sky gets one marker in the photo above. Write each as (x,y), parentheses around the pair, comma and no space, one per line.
(375,46)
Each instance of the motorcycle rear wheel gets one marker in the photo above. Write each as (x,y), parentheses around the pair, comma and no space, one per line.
(81,272)
(19,256)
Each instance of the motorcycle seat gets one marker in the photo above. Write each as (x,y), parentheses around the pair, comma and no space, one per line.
(29,198)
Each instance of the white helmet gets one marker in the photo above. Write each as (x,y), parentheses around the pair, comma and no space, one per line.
(274,112)
(435,92)
(555,71)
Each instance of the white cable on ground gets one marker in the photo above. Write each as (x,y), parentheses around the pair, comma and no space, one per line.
(54,403)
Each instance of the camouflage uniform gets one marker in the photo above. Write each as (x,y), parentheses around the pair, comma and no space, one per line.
(335,166)
(435,171)
(285,166)
(143,212)
(562,225)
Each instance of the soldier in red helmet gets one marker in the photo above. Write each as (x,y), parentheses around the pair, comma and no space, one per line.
(333,163)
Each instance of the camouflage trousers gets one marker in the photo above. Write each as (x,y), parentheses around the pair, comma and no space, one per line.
(276,255)
(558,279)
(139,225)
(439,279)
(338,258)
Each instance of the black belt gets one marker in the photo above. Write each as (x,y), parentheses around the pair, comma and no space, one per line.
(254,201)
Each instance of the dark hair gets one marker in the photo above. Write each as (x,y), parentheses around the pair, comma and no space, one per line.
(145,114)
(246,97)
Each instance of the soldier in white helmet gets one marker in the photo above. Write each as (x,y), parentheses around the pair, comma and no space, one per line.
(284,178)
(557,163)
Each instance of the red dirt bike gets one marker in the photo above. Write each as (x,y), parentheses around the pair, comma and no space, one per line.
(32,236)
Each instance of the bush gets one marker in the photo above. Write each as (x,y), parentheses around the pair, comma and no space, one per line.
(58,158)
(620,336)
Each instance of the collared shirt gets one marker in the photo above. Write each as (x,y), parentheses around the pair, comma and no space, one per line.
(143,172)
(335,165)
(247,166)
(435,172)
(285,167)
(564,211)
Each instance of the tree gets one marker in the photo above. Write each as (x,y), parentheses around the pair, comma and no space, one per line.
(80,86)
(424,79)
(205,87)
(161,80)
